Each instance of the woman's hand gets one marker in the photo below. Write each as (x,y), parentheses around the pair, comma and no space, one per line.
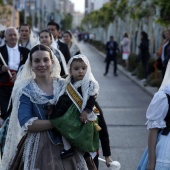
(14,76)
(108,160)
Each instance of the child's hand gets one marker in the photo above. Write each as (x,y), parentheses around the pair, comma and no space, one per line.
(108,160)
(83,116)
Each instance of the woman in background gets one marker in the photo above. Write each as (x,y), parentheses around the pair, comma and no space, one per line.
(125,43)
(73,47)
(46,38)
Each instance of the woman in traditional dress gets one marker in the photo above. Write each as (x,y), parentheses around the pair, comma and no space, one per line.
(38,86)
(46,38)
(73,47)
(157,155)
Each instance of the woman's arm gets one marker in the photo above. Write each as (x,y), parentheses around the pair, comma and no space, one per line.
(152,140)
(28,121)
(40,125)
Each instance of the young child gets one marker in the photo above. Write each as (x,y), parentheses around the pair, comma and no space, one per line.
(73,115)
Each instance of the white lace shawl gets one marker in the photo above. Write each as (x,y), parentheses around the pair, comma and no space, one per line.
(157,111)
(60,57)
(89,86)
(24,78)
(73,49)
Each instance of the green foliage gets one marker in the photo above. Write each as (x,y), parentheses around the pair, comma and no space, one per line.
(164,7)
(154,82)
(132,62)
(101,17)
(66,23)
(122,8)
(98,44)
(138,9)
(1,2)
(141,9)
(151,65)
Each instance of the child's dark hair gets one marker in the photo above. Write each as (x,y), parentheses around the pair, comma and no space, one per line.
(77,60)
(40,47)
(46,32)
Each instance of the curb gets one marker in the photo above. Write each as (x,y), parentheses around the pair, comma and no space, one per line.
(148,89)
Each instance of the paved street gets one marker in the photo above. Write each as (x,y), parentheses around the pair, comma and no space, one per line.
(124,105)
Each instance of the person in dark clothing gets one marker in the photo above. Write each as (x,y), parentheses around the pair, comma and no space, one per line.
(144,53)
(14,56)
(104,138)
(165,56)
(54,28)
(112,52)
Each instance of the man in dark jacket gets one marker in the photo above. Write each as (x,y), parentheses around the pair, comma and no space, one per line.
(14,57)
(54,28)
(112,51)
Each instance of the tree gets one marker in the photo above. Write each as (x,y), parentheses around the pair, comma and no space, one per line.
(66,23)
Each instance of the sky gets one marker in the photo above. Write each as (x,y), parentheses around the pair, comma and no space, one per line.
(79,5)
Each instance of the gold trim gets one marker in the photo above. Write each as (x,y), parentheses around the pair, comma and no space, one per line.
(77,98)
(79,102)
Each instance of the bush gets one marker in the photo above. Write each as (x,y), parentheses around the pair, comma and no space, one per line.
(99,45)
(151,68)
(153,81)
(132,62)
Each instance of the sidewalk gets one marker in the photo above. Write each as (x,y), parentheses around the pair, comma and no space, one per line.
(148,89)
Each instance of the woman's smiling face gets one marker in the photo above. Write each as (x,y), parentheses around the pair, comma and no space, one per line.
(41,63)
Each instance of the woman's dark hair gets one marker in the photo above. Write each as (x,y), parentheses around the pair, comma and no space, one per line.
(40,47)
(68,32)
(46,32)
(144,35)
(126,35)
(163,33)
(26,25)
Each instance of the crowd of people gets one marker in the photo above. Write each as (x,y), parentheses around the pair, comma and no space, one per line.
(48,102)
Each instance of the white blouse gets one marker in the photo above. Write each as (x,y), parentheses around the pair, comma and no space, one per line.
(157,111)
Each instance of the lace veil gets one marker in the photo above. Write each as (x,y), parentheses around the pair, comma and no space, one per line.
(89,85)
(74,48)
(25,76)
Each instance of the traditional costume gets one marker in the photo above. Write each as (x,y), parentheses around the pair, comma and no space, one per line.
(78,96)
(158,116)
(74,49)
(36,150)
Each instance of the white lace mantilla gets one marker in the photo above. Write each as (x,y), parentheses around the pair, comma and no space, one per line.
(28,123)
(37,96)
(14,133)
(156,124)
